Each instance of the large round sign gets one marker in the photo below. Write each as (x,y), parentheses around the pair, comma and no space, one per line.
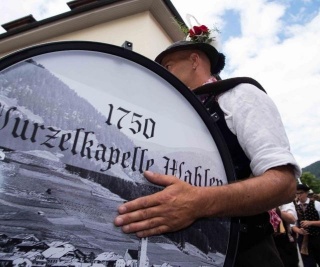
(79,123)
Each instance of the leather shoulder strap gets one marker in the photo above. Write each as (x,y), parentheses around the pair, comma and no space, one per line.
(221,86)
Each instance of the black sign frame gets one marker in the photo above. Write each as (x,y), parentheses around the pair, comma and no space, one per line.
(41,49)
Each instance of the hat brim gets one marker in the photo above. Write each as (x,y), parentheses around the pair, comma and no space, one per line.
(217,60)
(303,187)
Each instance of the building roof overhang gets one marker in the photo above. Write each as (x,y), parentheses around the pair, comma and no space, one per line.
(86,15)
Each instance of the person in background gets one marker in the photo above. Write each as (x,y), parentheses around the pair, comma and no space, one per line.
(265,167)
(308,227)
(311,195)
(316,197)
(284,239)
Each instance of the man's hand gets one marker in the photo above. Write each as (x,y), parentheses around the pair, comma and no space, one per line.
(169,210)
(180,204)
(303,231)
(305,224)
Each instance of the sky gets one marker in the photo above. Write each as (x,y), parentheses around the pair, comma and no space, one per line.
(275,42)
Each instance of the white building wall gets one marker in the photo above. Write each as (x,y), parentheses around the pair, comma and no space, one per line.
(141,29)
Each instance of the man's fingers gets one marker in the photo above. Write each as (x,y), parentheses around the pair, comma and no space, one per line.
(136,216)
(154,231)
(151,200)
(160,179)
(149,225)
(157,213)
(138,204)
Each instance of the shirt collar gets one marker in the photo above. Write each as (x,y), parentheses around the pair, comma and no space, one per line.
(307,202)
(212,79)
(204,97)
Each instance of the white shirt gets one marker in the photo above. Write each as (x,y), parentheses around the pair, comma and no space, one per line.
(290,208)
(253,117)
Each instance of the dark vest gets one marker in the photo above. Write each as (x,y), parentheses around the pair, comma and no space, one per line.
(252,228)
(310,214)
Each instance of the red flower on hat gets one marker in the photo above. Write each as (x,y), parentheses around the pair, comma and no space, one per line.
(198,30)
(198,34)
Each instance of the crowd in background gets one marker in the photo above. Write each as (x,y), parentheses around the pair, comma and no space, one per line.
(297,229)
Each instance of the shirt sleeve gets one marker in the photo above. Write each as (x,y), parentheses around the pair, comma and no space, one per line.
(253,117)
(290,208)
(317,206)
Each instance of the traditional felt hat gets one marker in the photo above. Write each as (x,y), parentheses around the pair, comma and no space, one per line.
(303,187)
(217,60)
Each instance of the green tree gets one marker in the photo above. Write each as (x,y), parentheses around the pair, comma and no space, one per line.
(312,181)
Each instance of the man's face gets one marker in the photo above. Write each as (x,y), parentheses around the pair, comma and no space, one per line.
(301,195)
(180,65)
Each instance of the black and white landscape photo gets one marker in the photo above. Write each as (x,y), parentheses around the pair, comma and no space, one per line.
(71,153)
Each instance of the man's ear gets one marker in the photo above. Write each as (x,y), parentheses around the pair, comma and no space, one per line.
(195,58)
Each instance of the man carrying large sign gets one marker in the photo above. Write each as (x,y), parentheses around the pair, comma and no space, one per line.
(261,153)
